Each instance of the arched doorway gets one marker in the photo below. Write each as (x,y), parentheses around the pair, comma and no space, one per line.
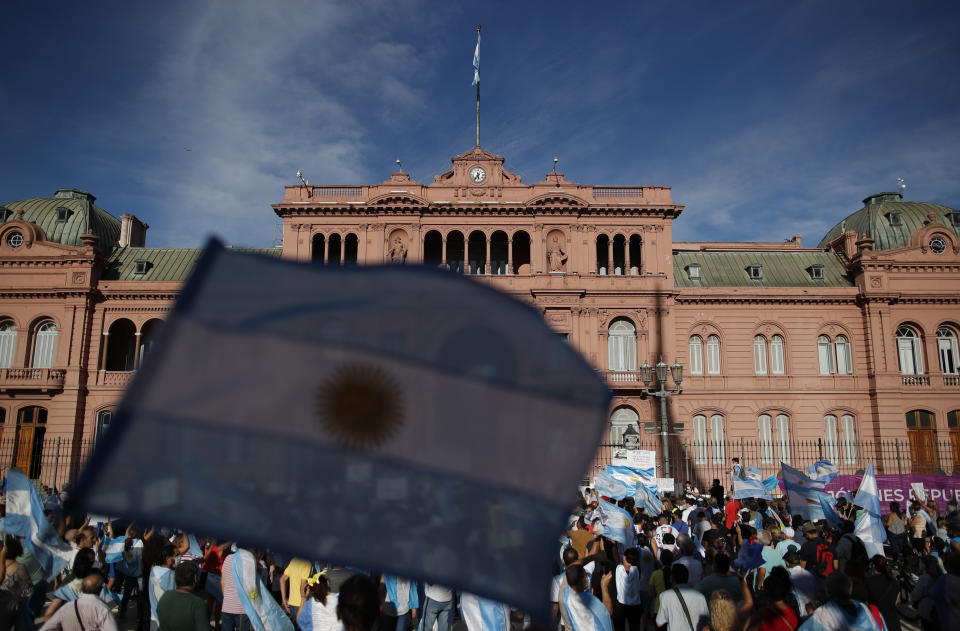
(455,251)
(477,253)
(433,249)
(148,333)
(28,446)
(351,248)
(498,252)
(521,253)
(121,346)
(319,248)
(603,254)
(334,246)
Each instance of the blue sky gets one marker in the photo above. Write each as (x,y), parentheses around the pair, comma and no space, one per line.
(768,119)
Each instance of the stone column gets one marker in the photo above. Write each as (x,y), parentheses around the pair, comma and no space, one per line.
(626,255)
(510,254)
(103,351)
(136,351)
(486,268)
(443,252)
(609,255)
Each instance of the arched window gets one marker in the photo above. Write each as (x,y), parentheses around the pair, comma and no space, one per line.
(946,347)
(830,437)
(121,346)
(921,432)
(713,355)
(909,351)
(783,437)
(8,342)
(622,346)
(103,424)
(759,354)
(844,361)
(700,439)
(148,333)
(620,420)
(716,437)
(825,353)
(776,355)
(766,439)
(848,439)
(696,355)
(44,345)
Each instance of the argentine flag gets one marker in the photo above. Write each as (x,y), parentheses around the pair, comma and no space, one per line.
(868,497)
(823,471)
(481,614)
(25,518)
(750,488)
(754,473)
(262,610)
(609,486)
(644,498)
(113,549)
(476,61)
(617,524)
(585,611)
(803,494)
(368,365)
(871,532)
(827,505)
(631,475)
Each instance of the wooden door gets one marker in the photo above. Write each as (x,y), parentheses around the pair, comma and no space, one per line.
(31,426)
(923,450)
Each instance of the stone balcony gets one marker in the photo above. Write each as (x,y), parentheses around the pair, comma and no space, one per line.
(119,378)
(32,379)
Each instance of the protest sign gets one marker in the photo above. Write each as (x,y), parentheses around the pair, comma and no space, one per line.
(899,488)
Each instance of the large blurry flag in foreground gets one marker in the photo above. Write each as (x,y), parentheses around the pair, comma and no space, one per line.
(399,419)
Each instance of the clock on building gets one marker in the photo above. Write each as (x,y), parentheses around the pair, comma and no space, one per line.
(477,174)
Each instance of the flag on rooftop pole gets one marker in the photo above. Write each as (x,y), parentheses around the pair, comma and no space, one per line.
(25,518)
(802,492)
(476,60)
(345,405)
(868,496)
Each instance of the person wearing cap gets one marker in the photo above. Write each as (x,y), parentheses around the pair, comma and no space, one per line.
(785,542)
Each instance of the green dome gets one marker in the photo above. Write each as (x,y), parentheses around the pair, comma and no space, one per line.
(890,221)
(67,226)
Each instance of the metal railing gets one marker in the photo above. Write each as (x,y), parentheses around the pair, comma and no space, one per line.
(703,461)
(51,461)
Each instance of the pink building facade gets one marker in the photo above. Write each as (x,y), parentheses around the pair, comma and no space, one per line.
(846,345)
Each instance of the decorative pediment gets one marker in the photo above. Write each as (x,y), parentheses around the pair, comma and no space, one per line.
(563,200)
(398,199)
(24,238)
(478,155)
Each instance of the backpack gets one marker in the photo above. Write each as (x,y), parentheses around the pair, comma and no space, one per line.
(824,560)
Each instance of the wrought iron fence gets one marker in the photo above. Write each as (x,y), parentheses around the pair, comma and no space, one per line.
(701,462)
(49,461)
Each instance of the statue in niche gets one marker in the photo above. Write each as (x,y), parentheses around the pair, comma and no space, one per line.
(556,257)
(398,250)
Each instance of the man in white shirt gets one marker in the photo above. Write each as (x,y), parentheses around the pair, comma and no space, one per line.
(86,613)
(682,608)
(438,607)
(627,607)
(559,583)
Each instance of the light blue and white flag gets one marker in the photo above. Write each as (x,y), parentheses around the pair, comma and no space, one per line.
(868,497)
(609,486)
(72,591)
(366,364)
(160,581)
(113,549)
(871,532)
(802,492)
(258,603)
(305,617)
(754,473)
(750,488)
(832,617)
(828,506)
(193,547)
(25,518)
(645,498)
(632,475)
(476,61)
(481,614)
(617,524)
(770,482)
(823,470)
(585,611)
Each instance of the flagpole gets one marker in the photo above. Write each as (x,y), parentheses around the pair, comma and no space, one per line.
(478,95)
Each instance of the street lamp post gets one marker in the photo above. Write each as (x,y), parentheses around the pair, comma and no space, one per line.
(646,375)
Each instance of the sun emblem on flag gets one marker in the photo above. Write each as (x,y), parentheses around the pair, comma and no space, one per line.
(360,405)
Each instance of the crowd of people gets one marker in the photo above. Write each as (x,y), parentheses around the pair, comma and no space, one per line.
(702,561)
(710,561)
